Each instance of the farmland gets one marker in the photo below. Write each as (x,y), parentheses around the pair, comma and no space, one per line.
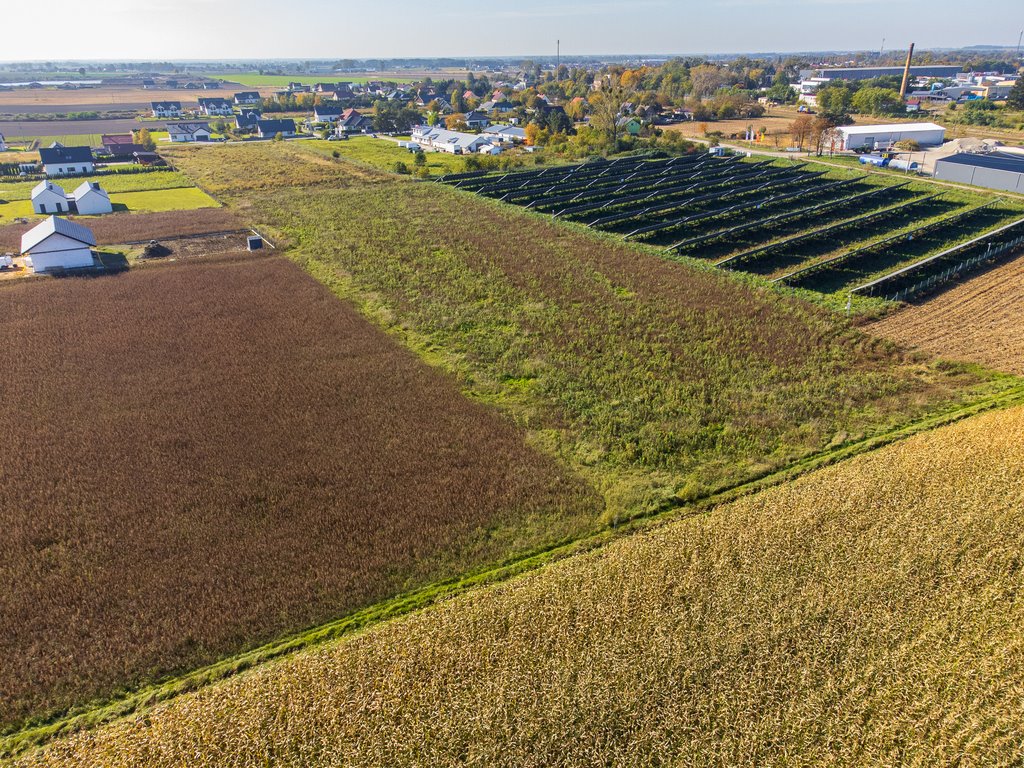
(223,454)
(134,192)
(638,370)
(820,229)
(58,130)
(264,166)
(853,617)
(978,320)
(119,228)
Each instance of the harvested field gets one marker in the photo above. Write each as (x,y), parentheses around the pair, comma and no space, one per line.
(980,320)
(220,454)
(56,128)
(119,228)
(853,617)
(50,100)
(266,165)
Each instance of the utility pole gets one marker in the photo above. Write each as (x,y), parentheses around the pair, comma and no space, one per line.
(882,49)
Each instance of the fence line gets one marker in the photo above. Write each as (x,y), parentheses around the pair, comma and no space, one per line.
(923,286)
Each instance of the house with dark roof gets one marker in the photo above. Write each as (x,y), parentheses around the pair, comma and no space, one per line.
(353,122)
(188,132)
(247,99)
(476,119)
(59,160)
(324,113)
(120,145)
(56,244)
(165,108)
(498,106)
(268,129)
(218,107)
(246,119)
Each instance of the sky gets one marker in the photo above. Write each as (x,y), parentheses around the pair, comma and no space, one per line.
(222,29)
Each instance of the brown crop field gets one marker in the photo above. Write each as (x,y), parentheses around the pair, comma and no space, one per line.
(868,614)
(120,228)
(43,128)
(201,457)
(50,100)
(980,319)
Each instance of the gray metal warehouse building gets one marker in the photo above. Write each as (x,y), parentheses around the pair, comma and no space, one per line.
(996,170)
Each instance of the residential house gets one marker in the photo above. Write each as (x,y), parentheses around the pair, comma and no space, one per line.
(268,129)
(47,197)
(246,119)
(477,120)
(630,124)
(323,113)
(247,99)
(353,122)
(59,160)
(121,146)
(3,144)
(57,243)
(498,106)
(216,107)
(166,108)
(188,132)
(91,199)
(211,85)
(454,142)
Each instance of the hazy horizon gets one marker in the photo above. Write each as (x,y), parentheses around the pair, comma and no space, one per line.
(199,30)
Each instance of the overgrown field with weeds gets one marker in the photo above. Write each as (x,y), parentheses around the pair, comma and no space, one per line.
(661,380)
(202,457)
(866,614)
(264,165)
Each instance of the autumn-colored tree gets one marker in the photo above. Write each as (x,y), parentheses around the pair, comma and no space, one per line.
(145,139)
(801,129)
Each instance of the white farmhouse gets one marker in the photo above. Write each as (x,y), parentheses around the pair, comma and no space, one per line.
(59,160)
(47,197)
(165,108)
(58,244)
(3,144)
(91,199)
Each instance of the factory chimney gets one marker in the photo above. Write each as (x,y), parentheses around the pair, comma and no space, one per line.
(906,73)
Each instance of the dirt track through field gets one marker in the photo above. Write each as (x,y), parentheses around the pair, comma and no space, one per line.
(980,320)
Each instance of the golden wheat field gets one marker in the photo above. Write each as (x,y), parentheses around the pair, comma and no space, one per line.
(980,320)
(867,614)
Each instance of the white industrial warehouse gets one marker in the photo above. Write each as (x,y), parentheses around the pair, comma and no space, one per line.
(885,135)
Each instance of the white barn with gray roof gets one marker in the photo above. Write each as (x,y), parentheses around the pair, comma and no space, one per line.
(57,243)
(47,197)
(454,142)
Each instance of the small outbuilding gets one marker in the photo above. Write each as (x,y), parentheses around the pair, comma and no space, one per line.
(91,199)
(47,197)
(57,243)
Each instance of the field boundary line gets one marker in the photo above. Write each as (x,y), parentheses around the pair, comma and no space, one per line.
(90,716)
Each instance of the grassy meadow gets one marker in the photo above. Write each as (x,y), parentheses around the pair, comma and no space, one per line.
(853,617)
(661,380)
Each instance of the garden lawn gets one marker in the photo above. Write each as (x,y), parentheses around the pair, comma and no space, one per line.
(182,199)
